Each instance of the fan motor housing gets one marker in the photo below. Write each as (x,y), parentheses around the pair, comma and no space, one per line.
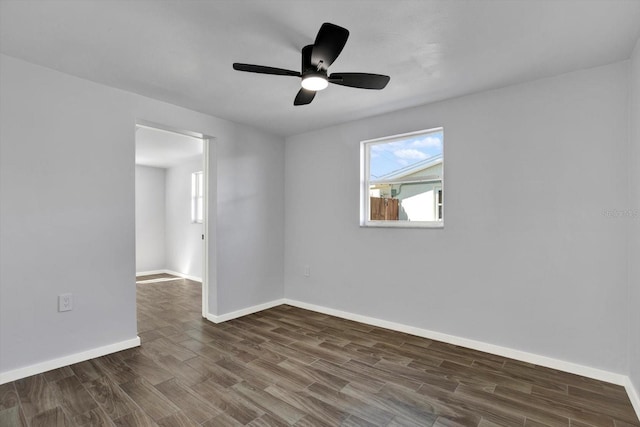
(307,66)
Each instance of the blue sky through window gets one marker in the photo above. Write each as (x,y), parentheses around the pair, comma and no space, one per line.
(387,157)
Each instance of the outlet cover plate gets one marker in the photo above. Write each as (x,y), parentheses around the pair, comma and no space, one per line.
(65,302)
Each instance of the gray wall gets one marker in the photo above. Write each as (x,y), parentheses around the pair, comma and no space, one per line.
(184,238)
(527,259)
(251,202)
(150,218)
(67,211)
(634,222)
(165,236)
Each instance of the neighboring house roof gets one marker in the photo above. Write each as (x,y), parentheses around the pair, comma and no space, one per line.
(411,169)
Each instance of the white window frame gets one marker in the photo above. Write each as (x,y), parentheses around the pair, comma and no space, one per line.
(365,202)
(197,197)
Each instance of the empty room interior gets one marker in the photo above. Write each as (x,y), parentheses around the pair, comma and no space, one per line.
(169,203)
(320,213)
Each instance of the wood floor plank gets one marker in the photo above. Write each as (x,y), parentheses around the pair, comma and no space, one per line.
(269,404)
(451,372)
(160,347)
(54,417)
(57,374)
(231,350)
(246,335)
(75,399)
(550,405)
(617,407)
(222,420)
(182,370)
(309,404)
(137,418)
(116,369)
(354,421)
(422,413)
(320,353)
(288,352)
(313,421)
(490,413)
(179,419)
(36,395)
(260,351)
(364,380)
(148,369)
(416,376)
(408,352)
(204,349)
(599,405)
(11,417)
(8,396)
(412,379)
(280,375)
(516,406)
(349,351)
(361,408)
(213,371)
(228,401)
(382,353)
(150,400)
(563,379)
(268,420)
(86,371)
(111,398)
(315,375)
(252,322)
(249,374)
(431,402)
(349,335)
(446,422)
(484,374)
(199,410)
(93,418)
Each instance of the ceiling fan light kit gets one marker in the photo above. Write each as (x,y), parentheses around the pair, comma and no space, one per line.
(314,82)
(316,59)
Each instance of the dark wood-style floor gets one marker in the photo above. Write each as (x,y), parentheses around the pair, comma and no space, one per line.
(286,366)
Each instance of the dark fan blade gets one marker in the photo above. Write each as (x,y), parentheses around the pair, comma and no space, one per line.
(304,97)
(328,45)
(360,80)
(264,70)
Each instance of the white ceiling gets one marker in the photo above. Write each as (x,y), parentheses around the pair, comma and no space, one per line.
(181,51)
(162,149)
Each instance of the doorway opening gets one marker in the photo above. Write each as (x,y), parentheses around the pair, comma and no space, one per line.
(171,175)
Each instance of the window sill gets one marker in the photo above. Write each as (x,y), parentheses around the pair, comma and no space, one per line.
(402,224)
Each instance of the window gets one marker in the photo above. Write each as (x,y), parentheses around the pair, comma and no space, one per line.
(402,180)
(197,197)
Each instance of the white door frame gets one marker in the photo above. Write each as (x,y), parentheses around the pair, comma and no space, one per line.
(209,206)
(207,221)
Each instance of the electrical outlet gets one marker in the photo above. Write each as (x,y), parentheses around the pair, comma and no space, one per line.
(65,302)
(307,271)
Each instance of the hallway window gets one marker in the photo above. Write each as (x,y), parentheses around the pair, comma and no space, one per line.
(197,197)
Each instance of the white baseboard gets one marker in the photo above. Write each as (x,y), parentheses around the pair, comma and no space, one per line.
(184,276)
(149,273)
(523,356)
(243,312)
(634,396)
(174,273)
(48,365)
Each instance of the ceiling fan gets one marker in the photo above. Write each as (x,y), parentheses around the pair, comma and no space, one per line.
(316,59)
